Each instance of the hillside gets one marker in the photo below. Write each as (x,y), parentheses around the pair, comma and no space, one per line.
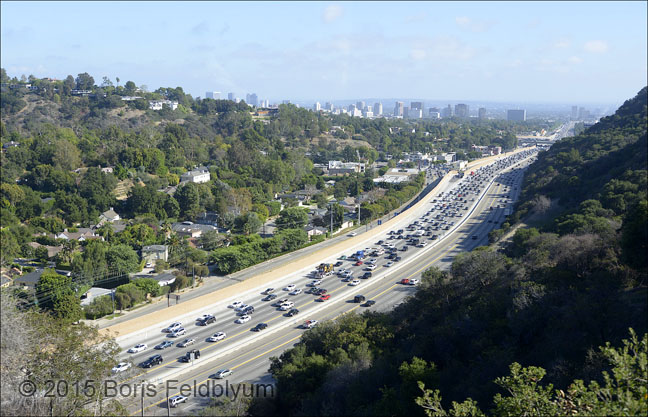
(550,301)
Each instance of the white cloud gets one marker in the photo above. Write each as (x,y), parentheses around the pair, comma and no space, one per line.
(597,47)
(417,54)
(474,25)
(332,13)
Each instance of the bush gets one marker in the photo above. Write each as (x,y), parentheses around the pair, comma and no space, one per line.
(182,281)
(99,307)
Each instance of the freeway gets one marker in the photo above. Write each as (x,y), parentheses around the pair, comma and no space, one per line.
(250,363)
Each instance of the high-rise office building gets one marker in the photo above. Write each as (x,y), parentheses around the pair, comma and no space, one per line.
(581,113)
(461,110)
(516,115)
(414,113)
(329,106)
(574,114)
(482,113)
(377,109)
(416,105)
(215,95)
(252,99)
(399,109)
(446,113)
(360,105)
(317,106)
(231,96)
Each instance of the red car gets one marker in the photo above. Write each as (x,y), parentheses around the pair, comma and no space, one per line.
(358,263)
(325,297)
(405,281)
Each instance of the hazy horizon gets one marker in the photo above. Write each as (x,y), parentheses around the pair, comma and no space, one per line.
(571,53)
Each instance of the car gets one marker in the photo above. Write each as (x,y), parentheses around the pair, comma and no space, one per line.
(187,342)
(309,324)
(289,287)
(280,302)
(314,283)
(292,312)
(358,263)
(177,399)
(367,275)
(259,327)
(475,237)
(138,348)
(241,307)
(398,258)
(269,297)
(243,319)
(320,291)
(121,367)
(172,327)
(180,332)
(287,306)
(235,304)
(405,281)
(217,337)
(370,267)
(223,373)
(358,298)
(164,345)
(208,320)
(246,310)
(338,263)
(388,264)
(268,291)
(324,297)
(413,282)
(354,282)
(148,265)
(192,354)
(204,317)
(152,361)
(296,291)
(353,234)
(369,303)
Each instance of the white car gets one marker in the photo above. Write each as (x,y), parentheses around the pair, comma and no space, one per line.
(177,399)
(353,234)
(204,317)
(138,348)
(315,283)
(287,306)
(235,304)
(309,324)
(413,281)
(222,373)
(186,342)
(172,327)
(216,337)
(179,332)
(290,287)
(354,282)
(268,291)
(370,267)
(121,367)
(243,319)
(388,264)
(296,291)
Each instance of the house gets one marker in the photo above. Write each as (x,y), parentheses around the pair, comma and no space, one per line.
(190,229)
(82,233)
(208,217)
(152,253)
(10,144)
(31,280)
(349,203)
(109,216)
(314,231)
(165,278)
(159,104)
(198,175)
(301,199)
(52,251)
(93,293)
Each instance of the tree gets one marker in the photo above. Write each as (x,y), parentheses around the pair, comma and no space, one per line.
(55,293)
(248,223)
(84,82)
(122,258)
(292,218)
(188,198)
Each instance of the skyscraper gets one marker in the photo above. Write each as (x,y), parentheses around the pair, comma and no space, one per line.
(461,110)
(416,105)
(360,105)
(516,115)
(252,99)
(213,95)
(317,106)
(574,115)
(231,96)
(377,109)
(399,109)
(482,113)
(446,112)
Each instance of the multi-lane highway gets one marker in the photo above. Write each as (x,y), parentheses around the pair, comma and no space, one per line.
(460,217)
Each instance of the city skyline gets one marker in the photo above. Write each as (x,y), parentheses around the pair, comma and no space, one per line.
(521,52)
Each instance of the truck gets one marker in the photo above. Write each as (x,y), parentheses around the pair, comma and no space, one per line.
(324,268)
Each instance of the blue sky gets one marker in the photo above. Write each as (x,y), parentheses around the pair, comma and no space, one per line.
(552,52)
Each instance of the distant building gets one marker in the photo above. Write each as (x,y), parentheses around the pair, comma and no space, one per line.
(482,113)
(446,113)
(415,113)
(159,104)
(109,216)
(317,106)
(252,99)
(378,109)
(574,113)
(399,109)
(190,229)
(197,175)
(338,167)
(214,95)
(231,96)
(360,105)
(461,110)
(416,105)
(516,115)
(151,253)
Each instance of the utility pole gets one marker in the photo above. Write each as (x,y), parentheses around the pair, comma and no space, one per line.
(331,209)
